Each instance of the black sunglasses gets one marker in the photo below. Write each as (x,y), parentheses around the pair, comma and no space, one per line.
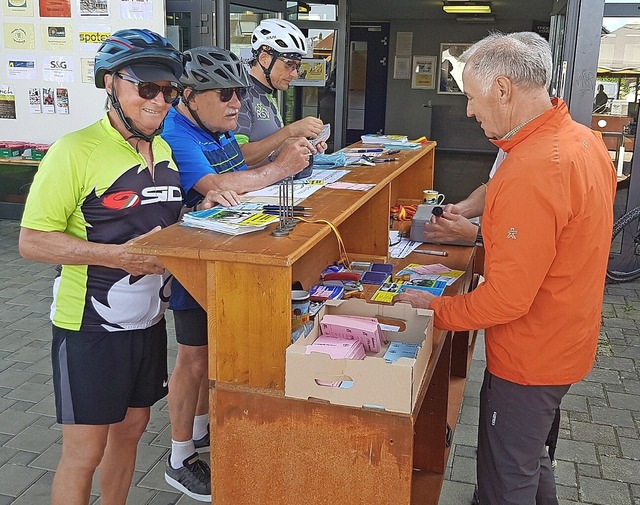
(226,94)
(149,90)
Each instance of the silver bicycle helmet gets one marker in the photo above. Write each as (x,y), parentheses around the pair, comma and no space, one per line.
(281,36)
(209,67)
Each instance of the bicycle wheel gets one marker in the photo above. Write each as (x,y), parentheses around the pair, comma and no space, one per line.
(626,266)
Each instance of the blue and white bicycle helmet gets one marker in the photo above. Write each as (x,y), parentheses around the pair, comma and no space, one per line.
(135,46)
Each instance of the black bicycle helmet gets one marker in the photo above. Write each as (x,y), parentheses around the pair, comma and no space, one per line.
(209,67)
(135,46)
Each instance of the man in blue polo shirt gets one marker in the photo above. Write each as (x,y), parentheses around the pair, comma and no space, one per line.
(199,131)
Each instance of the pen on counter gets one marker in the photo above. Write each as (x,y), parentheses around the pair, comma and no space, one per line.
(382,160)
(277,207)
(432,253)
(277,213)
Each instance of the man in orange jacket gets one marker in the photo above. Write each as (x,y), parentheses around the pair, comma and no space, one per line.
(547,232)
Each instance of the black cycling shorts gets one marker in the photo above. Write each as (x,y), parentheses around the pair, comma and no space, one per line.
(98,375)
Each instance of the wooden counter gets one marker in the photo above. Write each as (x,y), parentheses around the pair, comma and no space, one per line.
(269,449)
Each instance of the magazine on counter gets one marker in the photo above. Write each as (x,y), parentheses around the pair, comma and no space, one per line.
(236,220)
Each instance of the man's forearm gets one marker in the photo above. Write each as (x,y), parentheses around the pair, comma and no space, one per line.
(473,205)
(257,151)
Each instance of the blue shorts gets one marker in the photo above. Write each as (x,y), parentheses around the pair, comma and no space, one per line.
(98,375)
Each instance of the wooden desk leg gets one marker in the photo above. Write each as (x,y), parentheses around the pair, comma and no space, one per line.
(431,424)
(460,353)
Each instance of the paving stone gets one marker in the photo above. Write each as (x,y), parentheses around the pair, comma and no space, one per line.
(456,493)
(577,452)
(585,388)
(615,363)
(586,470)
(575,403)
(465,451)
(630,448)
(609,450)
(30,392)
(613,417)
(162,498)
(604,492)
(12,377)
(34,439)
(466,434)
(23,458)
(29,355)
(602,376)
(15,479)
(624,401)
(13,422)
(464,470)
(148,456)
(566,473)
(37,494)
(596,433)
(566,493)
(49,458)
(623,470)
(6,500)
(46,406)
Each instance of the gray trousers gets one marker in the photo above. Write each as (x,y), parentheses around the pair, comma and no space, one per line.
(513,465)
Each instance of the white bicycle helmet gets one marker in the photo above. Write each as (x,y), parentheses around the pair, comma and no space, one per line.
(281,36)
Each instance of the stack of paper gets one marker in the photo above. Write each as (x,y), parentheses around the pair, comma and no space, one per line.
(337,348)
(243,218)
(364,329)
(379,138)
(401,350)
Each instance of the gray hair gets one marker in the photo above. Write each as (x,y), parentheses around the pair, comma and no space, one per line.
(524,57)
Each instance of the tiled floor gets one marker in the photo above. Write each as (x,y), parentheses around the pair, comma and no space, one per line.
(598,452)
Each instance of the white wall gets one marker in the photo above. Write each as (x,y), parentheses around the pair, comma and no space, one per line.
(86,102)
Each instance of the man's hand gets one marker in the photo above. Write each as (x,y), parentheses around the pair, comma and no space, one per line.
(416,298)
(228,198)
(137,264)
(321,147)
(306,127)
(294,155)
(450,227)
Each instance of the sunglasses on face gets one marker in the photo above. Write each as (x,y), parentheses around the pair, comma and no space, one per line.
(226,94)
(149,90)
(290,64)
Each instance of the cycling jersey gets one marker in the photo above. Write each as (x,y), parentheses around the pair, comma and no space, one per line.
(197,153)
(259,115)
(93,185)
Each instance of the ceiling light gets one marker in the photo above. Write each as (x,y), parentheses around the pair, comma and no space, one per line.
(452,7)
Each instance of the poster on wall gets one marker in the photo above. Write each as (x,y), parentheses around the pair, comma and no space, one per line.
(48,106)
(62,101)
(21,66)
(55,8)
(94,8)
(17,8)
(7,102)
(19,36)
(56,37)
(90,37)
(423,72)
(35,101)
(313,72)
(57,68)
(136,9)
(86,69)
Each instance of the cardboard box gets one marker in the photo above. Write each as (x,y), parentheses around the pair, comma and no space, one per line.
(423,216)
(376,383)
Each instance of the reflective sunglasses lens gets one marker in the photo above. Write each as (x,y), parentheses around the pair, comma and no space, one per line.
(241,92)
(226,94)
(149,90)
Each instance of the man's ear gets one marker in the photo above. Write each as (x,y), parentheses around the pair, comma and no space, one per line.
(189,96)
(108,81)
(264,59)
(504,88)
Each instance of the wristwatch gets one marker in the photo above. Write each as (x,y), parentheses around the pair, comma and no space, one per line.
(479,242)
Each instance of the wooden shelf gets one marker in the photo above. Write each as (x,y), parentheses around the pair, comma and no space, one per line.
(19,161)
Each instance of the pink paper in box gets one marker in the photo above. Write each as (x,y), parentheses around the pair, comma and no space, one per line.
(366,330)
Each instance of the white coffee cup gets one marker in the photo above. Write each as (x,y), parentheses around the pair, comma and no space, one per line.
(432,197)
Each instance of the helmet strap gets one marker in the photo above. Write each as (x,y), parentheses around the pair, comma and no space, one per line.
(267,70)
(199,122)
(135,133)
